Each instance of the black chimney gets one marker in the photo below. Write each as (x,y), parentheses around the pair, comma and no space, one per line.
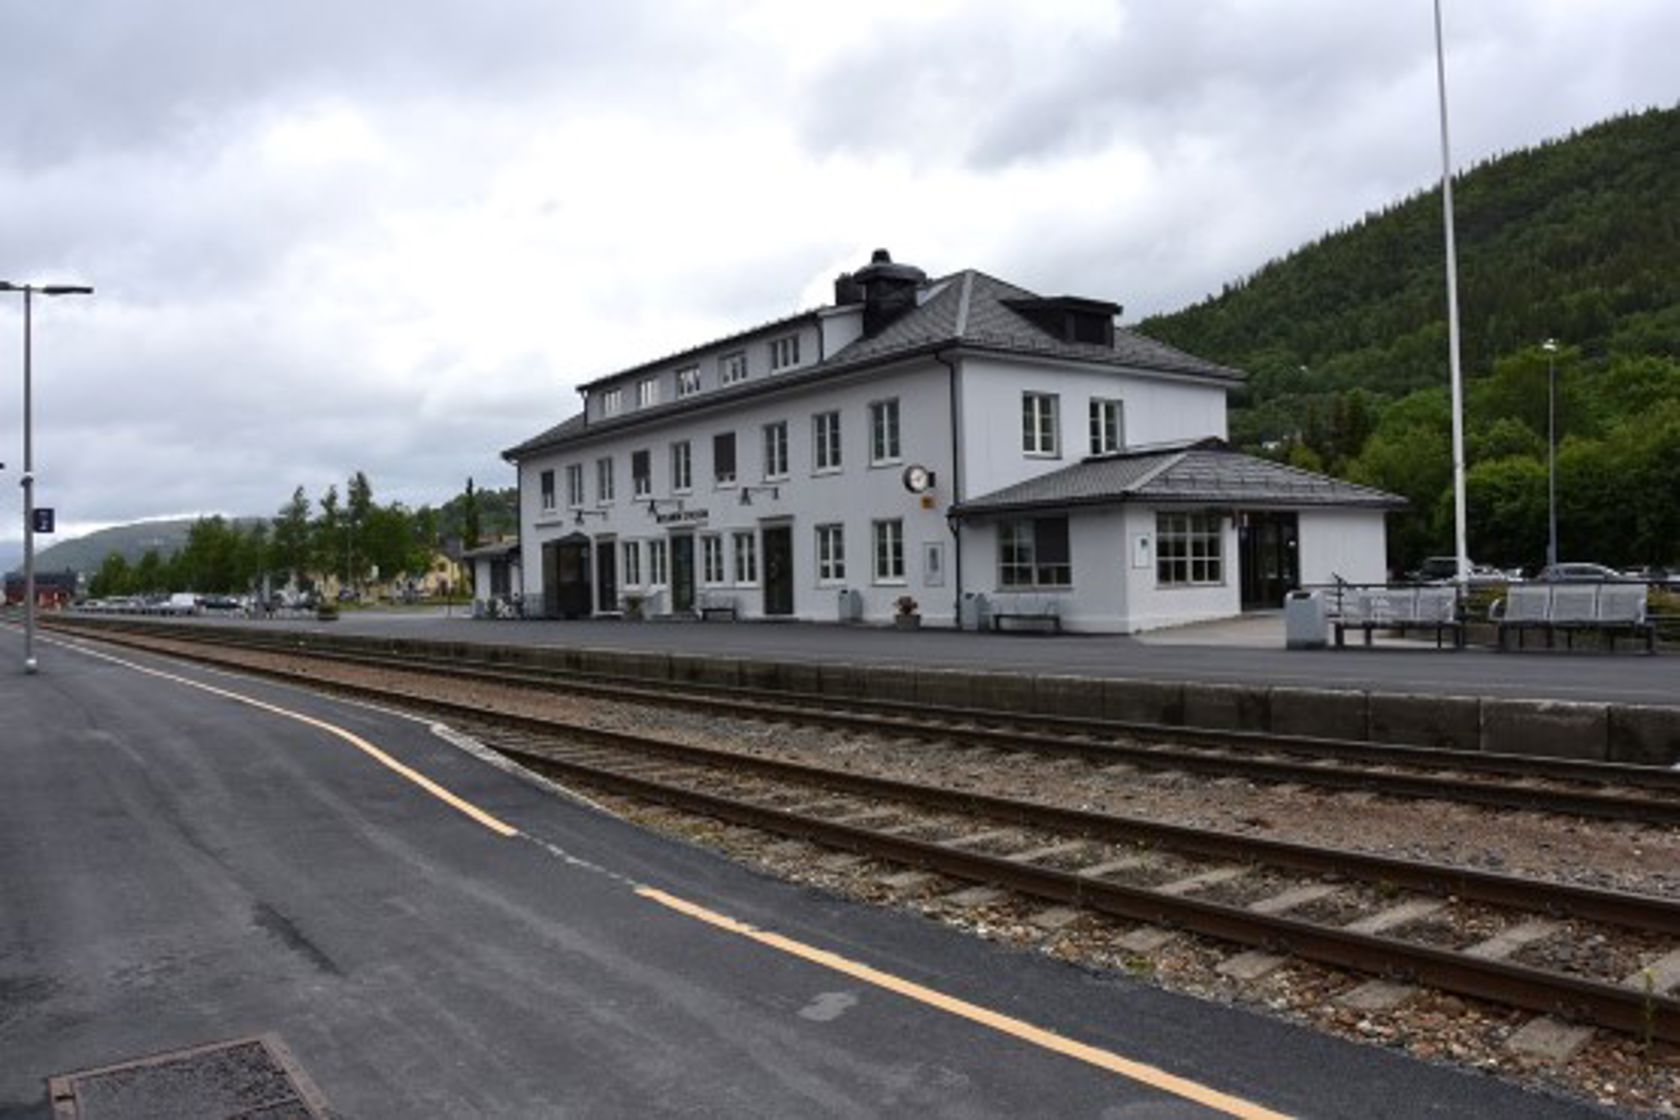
(889,290)
(847,290)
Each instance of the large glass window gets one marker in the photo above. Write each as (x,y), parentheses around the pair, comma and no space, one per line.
(1189,549)
(889,551)
(1108,431)
(831,553)
(723,458)
(776,450)
(711,559)
(682,467)
(604,480)
(883,432)
(1033,552)
(548,491)
(641,474)
(1038,424)
(746,557)
(574,484)
(825,440)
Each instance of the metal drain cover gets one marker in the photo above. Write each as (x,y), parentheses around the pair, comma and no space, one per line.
(246,1079)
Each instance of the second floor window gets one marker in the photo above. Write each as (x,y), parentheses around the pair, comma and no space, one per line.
(1038,423)
(604,480)
(682,467)
(883,432)
(723,459)
(574,484)
(548,491)
(784,352)
(688,381)
(641,474)
(647,392)
(775,450)
(825,441)
(1108,431)
(732,368)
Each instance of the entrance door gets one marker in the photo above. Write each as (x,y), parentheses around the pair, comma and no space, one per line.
(566,577)
(682,574)
(778,569)
(1270,556)
(606,575)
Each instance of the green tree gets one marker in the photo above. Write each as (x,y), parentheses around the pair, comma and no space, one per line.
(291,537)
(113,578)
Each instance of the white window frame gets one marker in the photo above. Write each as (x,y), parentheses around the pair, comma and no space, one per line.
(732,367)
(885,448)
(546,483)
(658,563)
(744,544)
(575,496)
(1189,549)
(887,561)
(647,392)
(784,352)
(604,481)
(688,381)
(641,485)
(776,451)
(632,564)
(1021,566)
(831,554)
(826,456)
(1108,425)
(711,560)
(612,401)
(1041,423)
(682,467)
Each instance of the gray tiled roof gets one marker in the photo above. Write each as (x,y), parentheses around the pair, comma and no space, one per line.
(1204,472)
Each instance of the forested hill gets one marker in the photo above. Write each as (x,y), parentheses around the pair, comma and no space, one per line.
(1345,342)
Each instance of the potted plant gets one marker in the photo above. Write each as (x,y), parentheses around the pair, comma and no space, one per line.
(907,617)
(633,607)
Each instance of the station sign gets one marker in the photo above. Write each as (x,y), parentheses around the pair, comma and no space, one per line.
(43,519)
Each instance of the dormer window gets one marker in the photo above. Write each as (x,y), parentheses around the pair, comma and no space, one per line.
(647,392)
(612,402)
(732,368)
(688,381)
(784,352)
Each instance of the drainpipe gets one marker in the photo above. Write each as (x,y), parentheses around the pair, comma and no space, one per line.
(956,490)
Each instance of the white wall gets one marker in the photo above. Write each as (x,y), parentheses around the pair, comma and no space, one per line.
(1158,409)
(1351,543)
(1153,605)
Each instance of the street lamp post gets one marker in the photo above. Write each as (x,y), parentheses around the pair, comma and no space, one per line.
(29,291)
(1550,347)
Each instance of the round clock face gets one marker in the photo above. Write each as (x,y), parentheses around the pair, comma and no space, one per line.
(916,479)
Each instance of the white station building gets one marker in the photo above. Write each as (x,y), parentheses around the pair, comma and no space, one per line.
(958,448)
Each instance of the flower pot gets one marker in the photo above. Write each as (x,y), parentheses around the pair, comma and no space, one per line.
(907,621)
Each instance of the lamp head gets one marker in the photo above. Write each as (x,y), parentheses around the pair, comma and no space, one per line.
(1550,346)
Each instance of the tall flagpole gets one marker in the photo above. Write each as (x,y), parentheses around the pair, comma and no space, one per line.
(1460,534)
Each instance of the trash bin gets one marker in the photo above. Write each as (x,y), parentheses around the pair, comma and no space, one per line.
(1306,625)
(850,608)
(976,611)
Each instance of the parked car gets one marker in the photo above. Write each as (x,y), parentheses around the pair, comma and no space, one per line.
(1656,575)
(1444,569)
(1578,573)
(220,603)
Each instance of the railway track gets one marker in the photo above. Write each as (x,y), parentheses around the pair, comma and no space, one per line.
(1468,932)
(1589,789)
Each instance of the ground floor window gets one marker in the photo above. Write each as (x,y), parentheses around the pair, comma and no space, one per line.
(657,563)
(1189,549)
(746,558)
(831,553)
(711,559)
(632,563)
(889,551)
(1033,552)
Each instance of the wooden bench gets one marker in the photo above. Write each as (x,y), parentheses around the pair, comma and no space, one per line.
(1401,609)
(1611,609)
(1027,610)
(718,606)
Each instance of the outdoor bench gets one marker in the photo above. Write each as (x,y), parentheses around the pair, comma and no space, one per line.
(718,606)
(1611,609)
(1029,611)
(1402,609)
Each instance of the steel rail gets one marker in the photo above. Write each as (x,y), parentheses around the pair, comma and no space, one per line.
(1586,803)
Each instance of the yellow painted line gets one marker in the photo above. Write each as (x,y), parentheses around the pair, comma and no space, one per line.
(1037,1036)
(494,824)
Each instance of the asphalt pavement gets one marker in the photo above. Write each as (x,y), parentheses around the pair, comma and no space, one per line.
(431,935)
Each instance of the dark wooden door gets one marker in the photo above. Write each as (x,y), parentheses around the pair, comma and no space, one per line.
(682,574)
(778,570)
(606,575)
(567,594)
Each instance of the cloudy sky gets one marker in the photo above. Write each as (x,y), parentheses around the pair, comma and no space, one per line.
(393,236)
